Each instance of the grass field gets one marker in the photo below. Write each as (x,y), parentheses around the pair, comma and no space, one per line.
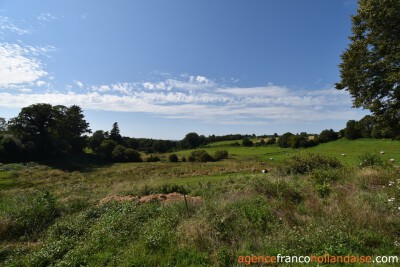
(74,214)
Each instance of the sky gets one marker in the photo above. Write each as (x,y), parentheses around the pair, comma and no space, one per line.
(164,68)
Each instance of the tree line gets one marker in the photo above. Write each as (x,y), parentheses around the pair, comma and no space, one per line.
(42,131)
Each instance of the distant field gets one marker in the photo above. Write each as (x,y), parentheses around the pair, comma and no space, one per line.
(352,148)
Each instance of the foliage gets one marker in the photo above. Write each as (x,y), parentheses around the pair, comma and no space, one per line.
(26,215)
(46,131)
(221,154)
(370,65)
(247,142)
(303,163)
(271,141)
(284,140)
(173,158)
(368,159)
(327,136)
(114,133)
(153,159)
(200,156)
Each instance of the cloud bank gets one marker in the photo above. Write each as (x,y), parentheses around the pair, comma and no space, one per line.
(198,98)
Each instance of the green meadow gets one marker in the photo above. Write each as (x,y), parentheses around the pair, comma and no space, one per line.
(314,201)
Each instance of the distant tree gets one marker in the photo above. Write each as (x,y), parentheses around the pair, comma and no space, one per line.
(271,141)
(370,68)
(327,136)
(299,140)
(191,140)
(284,140)
(352,130)
(106,148)
(96,139)
(114,133)
(247,142)
(173,158)
(276,135)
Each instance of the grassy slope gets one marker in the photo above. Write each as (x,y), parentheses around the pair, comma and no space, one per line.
(243,211)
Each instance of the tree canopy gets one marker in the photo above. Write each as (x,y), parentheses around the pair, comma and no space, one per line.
(43,130)
(370,68)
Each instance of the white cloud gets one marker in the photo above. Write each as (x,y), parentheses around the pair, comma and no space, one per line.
(211,102)
(19,65)
(79,84)
(6,25)
(40,83)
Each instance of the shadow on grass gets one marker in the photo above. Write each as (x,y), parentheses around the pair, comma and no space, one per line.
(81,163)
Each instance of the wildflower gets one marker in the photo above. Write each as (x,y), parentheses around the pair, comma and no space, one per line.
(391,199)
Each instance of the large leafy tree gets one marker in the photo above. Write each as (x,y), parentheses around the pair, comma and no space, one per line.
(50,130)
(370,68)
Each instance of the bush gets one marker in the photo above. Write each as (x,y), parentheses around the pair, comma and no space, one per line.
(200,156)
(132,155)
(106,148)
(221,154)
(173,158)
(303,163)
(271,141)
(118,153)
(247,142)
(153,159)
(369,159)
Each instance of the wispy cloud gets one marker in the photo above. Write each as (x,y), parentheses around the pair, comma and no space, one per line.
(7,25)
(21,65)
(199,98)
(46,17)
(79,84)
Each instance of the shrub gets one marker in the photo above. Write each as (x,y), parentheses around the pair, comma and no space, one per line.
(271,141)
(303,163)
(369,159)
(221,154)
(247,142)
(153,159)
(118,153)
(132,155)
(183,159)
(106,148)
(200,156)
(173,158)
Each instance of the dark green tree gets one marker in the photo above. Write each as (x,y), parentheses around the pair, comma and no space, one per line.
(352,130)
(114,133)
(284,140)
(35,123)
(370,68)
(191,140)
(327,136)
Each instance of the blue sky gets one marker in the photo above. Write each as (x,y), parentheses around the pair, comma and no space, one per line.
(163,68)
